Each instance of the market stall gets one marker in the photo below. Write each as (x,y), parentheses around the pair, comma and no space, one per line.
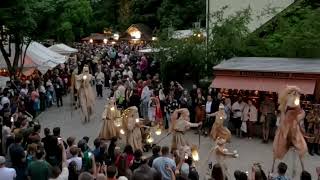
(37,57)
(268,75)
(63,49)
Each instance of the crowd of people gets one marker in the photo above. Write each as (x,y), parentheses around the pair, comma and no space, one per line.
(134,80)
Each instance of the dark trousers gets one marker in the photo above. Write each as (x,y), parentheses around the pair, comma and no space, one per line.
(59,100)
(99,90)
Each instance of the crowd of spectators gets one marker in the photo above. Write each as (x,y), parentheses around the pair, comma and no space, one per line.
(133,80)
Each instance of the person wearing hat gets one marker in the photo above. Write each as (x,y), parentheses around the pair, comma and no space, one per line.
(6,173)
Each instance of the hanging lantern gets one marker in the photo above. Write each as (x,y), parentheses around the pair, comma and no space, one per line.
(84,77)
(195,153)
(158,131)
(112,108)
(122,131)
(91,40)
(137,120)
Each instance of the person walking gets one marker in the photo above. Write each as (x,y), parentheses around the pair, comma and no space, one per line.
(99,82)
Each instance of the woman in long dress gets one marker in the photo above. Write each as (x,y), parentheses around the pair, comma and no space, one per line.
(110,113)
(218,130)
(86,96)
(132,126)
(180,124)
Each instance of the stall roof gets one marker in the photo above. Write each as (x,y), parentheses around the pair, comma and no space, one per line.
(63,49)
(271,64)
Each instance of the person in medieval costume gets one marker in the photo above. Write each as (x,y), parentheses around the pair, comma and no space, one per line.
(109,115)
(289,132)
(132,125)
(86,96)
(180,123)
(312,131)
(218,130)
(219,154)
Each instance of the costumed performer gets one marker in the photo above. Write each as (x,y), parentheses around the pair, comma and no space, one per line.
(289,131)
(218,154)
(86,96)
(218,130)
(180,123)
(110,113)
(132,125)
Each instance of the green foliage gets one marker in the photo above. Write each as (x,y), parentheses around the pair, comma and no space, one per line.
(73,17)
(104,15)
(296,34)
(181,14)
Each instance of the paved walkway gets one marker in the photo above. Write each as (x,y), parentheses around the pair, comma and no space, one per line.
(250,150)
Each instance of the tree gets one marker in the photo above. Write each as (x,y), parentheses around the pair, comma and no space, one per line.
(73,19)
(293,34)
(105,13)
(181,14)
(124,14)
(18,21)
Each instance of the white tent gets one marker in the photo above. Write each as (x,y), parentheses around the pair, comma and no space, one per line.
(37,56)
(63,49)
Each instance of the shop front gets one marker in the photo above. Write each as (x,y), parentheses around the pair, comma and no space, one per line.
(255,77)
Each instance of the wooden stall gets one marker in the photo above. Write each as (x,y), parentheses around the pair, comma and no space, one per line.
(272,75)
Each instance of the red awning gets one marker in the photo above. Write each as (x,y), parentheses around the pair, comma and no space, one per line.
(262,84)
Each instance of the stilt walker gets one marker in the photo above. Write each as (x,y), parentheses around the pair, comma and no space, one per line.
(289,133)
(86,96)
(109,115)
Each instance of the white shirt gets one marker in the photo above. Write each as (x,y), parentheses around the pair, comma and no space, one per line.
(63,176)
(208,106)
(130,74)
(5,100)
(237,109)
(99,78)
(7,173)
(146,94)
(77,160)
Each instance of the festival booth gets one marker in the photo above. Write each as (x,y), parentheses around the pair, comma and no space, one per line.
(96,38)
(63,49)
(138,34)
(258,76)
(37,57)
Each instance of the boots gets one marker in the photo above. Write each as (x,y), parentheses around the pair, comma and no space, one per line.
(310,148)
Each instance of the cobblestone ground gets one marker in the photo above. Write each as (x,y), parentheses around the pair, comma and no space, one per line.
(250,150)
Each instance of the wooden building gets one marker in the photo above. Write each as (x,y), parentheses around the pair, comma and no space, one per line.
(269,74)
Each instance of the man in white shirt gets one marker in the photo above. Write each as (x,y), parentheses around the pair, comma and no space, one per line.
(6,173)
(78,160)
(145,98)
(99,82)
(237,110)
